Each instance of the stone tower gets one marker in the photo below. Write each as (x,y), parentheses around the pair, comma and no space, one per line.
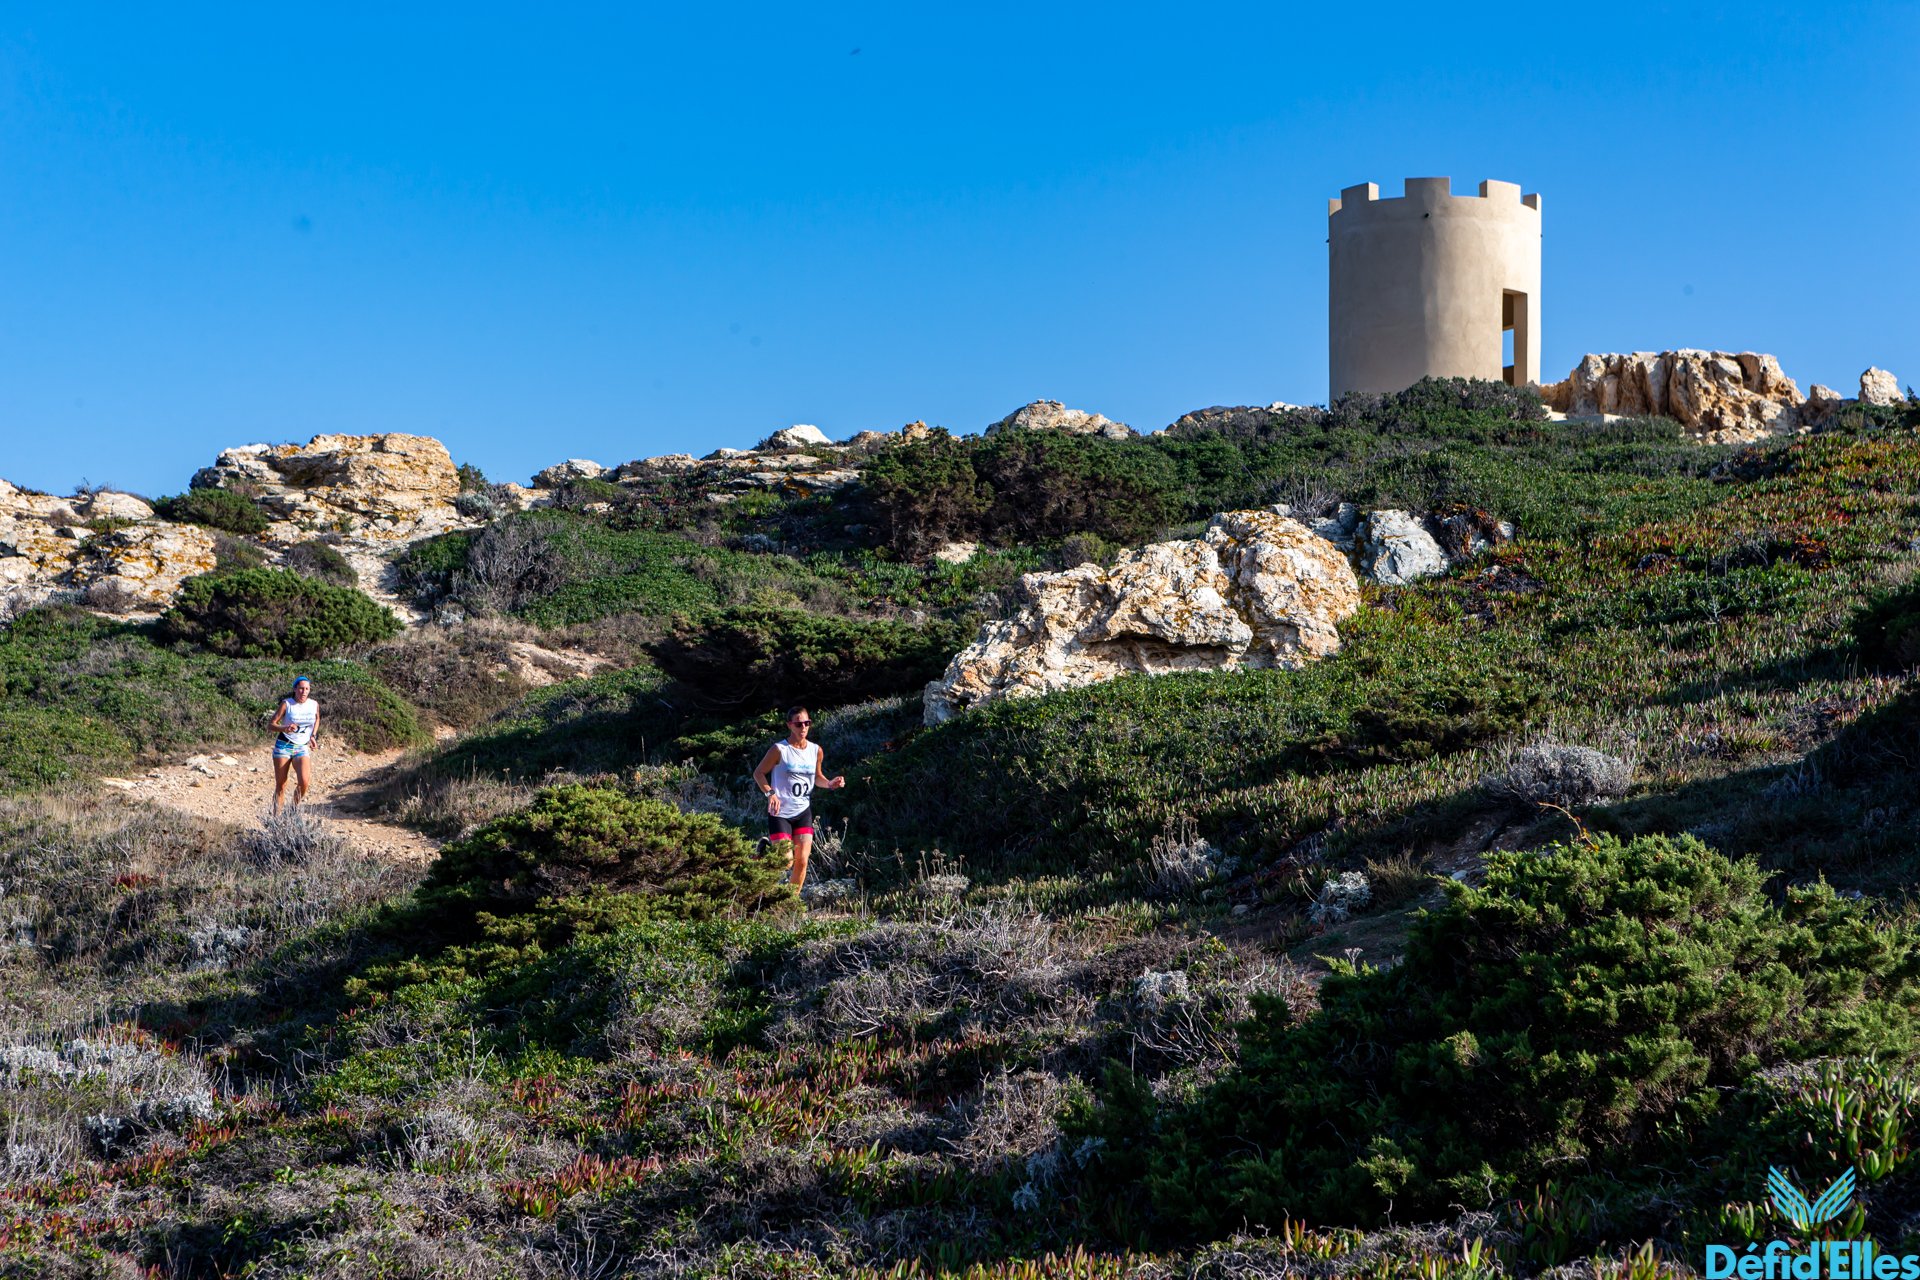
(1429,284)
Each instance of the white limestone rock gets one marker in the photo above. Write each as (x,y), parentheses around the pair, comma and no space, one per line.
(1877,386)
(572,469)
(799,436)
(1395,549)
(1259,590)
(1051,415)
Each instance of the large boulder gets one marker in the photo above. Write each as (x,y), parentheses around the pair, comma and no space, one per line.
(1259,590)
(1877,386)
(1719,396)
(1051,415)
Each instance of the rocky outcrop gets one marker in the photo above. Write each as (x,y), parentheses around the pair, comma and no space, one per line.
(1051,415)
(799,436)
(380,489)
(742,470)
(1720,397)
(371,494)
(562,472)
(870,441)
(48,554)
(1259,590)
(1877,386)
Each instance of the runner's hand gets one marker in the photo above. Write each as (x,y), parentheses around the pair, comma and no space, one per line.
(773,805)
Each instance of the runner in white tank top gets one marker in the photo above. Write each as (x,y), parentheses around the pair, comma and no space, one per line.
(788,773)
(298,722)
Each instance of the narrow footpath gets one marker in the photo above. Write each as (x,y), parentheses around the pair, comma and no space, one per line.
(237,787)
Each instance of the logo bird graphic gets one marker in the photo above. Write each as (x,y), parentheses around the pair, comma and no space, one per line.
(1794,1207)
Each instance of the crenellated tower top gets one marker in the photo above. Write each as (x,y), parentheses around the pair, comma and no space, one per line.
(1429,284)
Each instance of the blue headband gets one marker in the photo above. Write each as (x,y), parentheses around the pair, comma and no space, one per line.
(298,679)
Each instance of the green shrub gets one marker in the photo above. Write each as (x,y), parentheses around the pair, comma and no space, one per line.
(79,692)
(580,861)
(1887,629)
(1583,1003)
(273,613)
(426,567)
(758,658)
(1019,486)
(221,509)
(315,559)
(1093,774)
(472,478)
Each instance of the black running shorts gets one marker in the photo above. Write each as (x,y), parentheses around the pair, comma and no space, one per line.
(800,824)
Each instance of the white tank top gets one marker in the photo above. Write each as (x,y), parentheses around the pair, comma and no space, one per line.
(300,717)
(793,777)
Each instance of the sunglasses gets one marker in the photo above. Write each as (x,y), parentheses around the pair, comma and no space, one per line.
(800,724)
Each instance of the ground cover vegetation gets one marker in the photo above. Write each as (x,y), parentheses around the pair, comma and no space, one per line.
(1571,895)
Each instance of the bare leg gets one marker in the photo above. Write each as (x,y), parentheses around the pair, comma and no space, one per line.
(281,767)
(303,766)
(802,846)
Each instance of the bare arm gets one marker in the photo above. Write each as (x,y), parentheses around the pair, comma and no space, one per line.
(280,716)
(820,763)
(764,774)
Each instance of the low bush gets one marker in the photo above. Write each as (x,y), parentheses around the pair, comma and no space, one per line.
(459,677)
(1020,486)
(230,554)
(273,613)
(221,509)
(581,860)
(758,658)
(1887,629)
(319,561)
(1583,1004)
(1565,776)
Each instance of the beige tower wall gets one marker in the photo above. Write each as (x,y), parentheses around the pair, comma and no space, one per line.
(1426,284)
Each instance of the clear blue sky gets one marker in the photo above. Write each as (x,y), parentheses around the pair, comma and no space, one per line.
(607,232)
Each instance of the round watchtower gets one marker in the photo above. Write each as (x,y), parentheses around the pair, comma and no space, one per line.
(1430,284)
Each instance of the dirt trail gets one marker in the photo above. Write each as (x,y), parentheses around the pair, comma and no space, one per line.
(344,786)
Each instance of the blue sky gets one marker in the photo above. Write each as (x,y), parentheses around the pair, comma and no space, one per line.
(609,232)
